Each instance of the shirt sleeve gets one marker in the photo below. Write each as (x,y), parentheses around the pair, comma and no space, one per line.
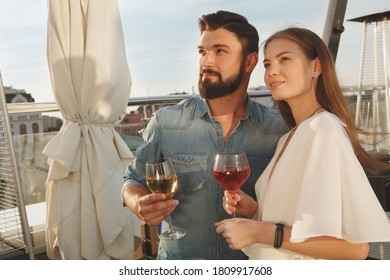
(135,172)
(336,198)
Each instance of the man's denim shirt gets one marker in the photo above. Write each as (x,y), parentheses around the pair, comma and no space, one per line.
(187,133)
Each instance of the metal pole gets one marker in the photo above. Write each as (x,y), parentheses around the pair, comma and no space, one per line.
(387,76)
(334,25)
(360,81)
(375,90)
(21,205)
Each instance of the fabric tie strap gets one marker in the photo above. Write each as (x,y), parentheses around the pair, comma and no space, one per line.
(84,127)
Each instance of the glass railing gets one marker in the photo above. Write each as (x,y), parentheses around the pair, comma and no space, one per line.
(32,163)
(33,167)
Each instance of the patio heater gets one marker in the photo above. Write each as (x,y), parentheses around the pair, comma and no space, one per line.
(373,105)
(372,112)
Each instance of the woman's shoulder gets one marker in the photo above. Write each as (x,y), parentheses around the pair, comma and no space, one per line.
(324,125)
(324,121)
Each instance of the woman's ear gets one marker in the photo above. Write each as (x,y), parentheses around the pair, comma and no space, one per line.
(317,68)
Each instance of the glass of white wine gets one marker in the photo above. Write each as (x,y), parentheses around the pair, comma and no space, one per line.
(161,178)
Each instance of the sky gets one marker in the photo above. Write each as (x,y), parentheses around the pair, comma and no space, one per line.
(161,38)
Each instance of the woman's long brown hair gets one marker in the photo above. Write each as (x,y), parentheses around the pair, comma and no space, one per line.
(328,92)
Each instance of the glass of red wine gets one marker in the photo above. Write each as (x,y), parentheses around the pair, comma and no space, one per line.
(231,170)
(161,178)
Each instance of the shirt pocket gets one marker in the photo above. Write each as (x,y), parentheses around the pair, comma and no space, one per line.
(191,171)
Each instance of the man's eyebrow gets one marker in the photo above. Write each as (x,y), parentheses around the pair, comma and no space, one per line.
(215,46)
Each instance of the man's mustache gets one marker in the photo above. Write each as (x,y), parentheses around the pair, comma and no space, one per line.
(209,71)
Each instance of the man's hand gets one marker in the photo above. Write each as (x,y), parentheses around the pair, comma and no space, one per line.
(154,208)
(150,208)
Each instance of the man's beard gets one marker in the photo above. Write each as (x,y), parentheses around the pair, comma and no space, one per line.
(210,90)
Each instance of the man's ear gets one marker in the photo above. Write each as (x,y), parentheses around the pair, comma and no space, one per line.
(251,61)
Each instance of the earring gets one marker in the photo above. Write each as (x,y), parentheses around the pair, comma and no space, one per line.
(316,75)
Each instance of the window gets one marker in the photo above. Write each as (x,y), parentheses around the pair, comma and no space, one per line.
(35,128)
(23,129)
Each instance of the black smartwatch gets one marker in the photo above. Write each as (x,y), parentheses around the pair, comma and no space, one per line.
(279,232)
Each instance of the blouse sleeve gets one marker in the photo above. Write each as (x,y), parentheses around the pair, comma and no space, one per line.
(336,198)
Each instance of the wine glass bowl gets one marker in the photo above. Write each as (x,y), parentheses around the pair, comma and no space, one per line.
(161,178)
(162,184)
(231,170)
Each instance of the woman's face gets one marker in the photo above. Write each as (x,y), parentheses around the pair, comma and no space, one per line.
(289,74)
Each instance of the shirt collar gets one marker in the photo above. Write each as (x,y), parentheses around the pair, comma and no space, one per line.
(203,109)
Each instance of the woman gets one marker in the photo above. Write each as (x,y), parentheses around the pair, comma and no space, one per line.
(314,199)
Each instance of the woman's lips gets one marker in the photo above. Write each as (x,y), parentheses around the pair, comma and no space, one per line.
(275,84)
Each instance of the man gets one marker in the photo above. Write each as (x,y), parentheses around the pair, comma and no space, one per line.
(191,132)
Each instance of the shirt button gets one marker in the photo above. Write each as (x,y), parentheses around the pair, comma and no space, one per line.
(219,133)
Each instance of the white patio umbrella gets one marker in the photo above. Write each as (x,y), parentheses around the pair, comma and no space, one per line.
(87,157)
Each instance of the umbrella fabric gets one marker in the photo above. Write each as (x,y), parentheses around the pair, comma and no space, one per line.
(87,157)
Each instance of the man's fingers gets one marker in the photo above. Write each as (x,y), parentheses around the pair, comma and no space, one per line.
(152,198)
(153,208)
(156,218)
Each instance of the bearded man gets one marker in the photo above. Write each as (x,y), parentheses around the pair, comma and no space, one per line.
(221,118)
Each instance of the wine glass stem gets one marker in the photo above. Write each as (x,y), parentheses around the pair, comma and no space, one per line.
(234,215)
(170,224)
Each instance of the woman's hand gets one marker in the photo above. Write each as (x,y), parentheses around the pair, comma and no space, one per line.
(240,203)
(239,233)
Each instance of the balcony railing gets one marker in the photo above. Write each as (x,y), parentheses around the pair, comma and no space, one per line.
(33,168)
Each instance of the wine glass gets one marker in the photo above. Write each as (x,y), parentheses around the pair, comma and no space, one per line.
(231,170)
(161,178)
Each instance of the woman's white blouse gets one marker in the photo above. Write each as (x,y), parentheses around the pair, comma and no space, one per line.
(320,189)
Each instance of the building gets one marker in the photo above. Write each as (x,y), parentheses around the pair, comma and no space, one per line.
(31,133)
(28,123)
(23,123)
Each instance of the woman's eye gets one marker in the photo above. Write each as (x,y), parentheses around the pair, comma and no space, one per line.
(284,58)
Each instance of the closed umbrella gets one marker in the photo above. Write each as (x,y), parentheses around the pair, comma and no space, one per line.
(87,157)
